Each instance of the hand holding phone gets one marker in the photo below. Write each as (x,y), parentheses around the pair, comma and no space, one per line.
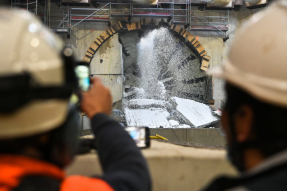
(140,135)
(97,100)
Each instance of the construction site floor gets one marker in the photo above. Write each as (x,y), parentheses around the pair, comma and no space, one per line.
(172,167)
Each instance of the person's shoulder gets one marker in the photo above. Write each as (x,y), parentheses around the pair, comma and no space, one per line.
(77,182)
(270,180)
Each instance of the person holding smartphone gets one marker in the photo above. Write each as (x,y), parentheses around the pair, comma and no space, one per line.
(39,126)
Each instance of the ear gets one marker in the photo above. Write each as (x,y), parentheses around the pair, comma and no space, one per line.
(243,123)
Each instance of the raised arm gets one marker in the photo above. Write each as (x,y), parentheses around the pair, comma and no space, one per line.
(124,167)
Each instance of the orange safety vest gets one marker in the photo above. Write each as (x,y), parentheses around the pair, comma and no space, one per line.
(14,167)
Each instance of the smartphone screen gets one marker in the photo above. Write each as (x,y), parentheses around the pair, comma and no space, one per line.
(83,73)
(140,135)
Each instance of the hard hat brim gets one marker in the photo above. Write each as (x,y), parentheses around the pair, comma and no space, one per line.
(266,90)
(34,118)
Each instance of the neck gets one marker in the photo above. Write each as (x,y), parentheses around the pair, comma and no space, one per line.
(252,158)
(32,152)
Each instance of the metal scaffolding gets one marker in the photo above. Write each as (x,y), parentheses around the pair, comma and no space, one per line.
(178,11)
(29,5)
(201,21)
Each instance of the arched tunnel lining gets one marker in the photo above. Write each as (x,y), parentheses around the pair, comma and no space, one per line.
(191,41)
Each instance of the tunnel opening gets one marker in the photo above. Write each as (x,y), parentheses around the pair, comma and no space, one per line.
(163,84)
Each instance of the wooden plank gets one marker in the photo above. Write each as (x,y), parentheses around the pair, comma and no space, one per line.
(211,102)
(86,59)
(105,35)
(203,53)
(139,26)
(205,63)
(110,33)
(92,50)
(100,39)
(196,45)
(94,46)
(182,32)
(172,27)
(120,24)
(207,58)
(98,42)
(112,30)
(88,54)
(190,38)
(117,27)
(177,29)
(132,26)
(185,34)
(200,48)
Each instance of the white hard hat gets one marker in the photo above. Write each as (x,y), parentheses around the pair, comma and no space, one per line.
(257,61)
(28,47)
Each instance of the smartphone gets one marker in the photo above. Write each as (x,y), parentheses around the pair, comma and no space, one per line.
(83,72)
(140,135)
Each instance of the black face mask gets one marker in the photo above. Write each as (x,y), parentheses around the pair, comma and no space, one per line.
(235,156)
(236,150)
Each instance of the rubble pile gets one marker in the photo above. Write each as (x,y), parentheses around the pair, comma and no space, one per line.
(175,113)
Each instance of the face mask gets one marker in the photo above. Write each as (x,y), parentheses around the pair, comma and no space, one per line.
(235,153)
(235,149)
(235,156)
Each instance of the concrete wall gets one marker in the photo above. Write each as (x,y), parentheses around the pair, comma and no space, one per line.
(107,63)
(198,137)
(84,34)
(217,49)
(204,137)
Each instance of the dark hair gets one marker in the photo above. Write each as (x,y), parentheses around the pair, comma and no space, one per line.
(269,123)
(17,145)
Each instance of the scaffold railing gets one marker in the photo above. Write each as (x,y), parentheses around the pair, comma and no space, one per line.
(199,20)
(29,5)
(179,11)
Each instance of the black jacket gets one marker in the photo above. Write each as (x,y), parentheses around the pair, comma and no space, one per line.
(271,175)
(124,167)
